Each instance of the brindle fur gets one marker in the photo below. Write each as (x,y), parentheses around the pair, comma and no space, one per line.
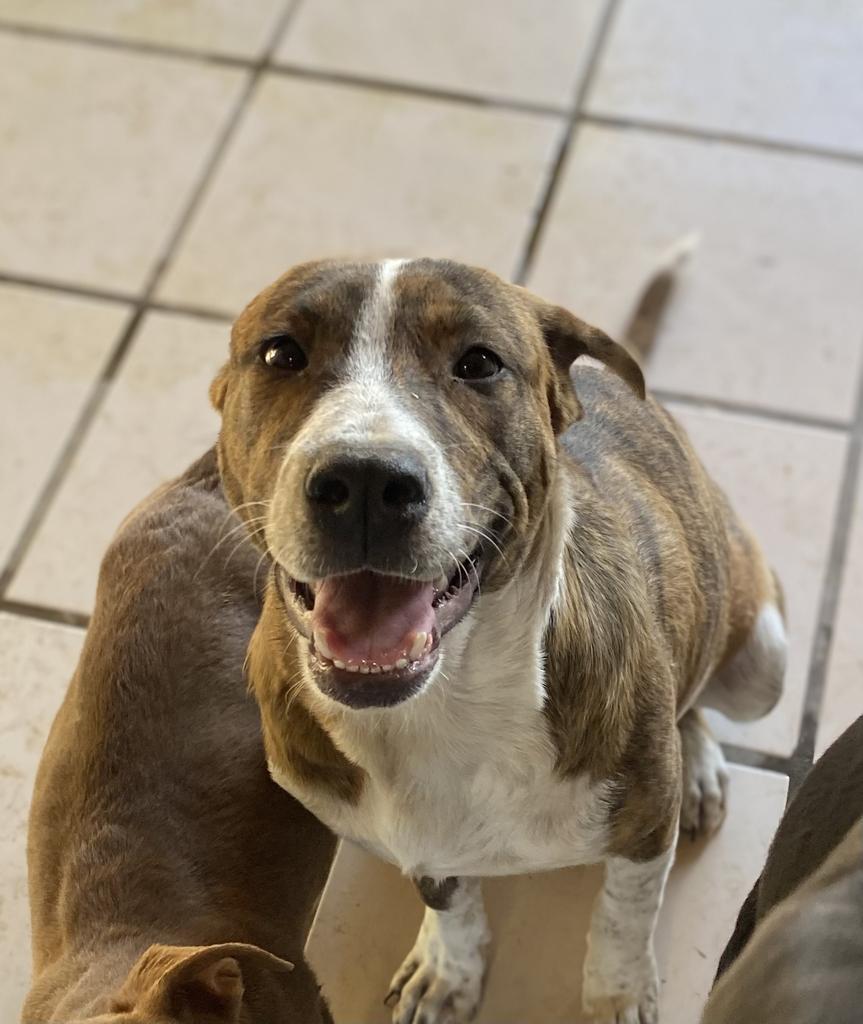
(663,584)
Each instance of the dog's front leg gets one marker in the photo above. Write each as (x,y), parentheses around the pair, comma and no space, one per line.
(621,984)
(441,979)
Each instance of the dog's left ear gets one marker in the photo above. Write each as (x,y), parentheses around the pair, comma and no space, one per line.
(219,388)
(567,338)
(197,980)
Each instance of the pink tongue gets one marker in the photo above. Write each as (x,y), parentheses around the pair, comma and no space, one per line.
(370,617)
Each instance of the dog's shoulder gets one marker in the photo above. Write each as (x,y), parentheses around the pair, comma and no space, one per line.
(182,540)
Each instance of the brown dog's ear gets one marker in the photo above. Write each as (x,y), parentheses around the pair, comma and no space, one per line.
(568,338)
(196,980)
(219,388)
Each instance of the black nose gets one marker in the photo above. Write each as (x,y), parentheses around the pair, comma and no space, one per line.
(354,497)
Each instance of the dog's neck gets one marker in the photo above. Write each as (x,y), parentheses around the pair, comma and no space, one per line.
(81,983)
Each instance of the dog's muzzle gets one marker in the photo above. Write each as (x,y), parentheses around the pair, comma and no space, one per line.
(378,588)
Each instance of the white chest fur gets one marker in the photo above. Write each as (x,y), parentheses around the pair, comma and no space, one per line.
(460,779)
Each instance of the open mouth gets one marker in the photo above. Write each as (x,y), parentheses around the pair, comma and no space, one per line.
(373,637)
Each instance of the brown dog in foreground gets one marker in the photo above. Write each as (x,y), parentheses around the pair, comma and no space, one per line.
(170,879)
(503,586)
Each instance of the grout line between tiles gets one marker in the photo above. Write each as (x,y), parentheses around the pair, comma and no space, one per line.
(832,586)
(717,135)
(120,298)
(58,616)
(793,766)
(81,291)
(727,405)
(139,46)
(93,403)
(556,170)
(408,89)
(184,309)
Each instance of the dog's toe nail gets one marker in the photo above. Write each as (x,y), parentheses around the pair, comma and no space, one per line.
(392,998)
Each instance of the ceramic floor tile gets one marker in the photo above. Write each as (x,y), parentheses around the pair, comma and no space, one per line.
(222,26)
(768,308)
(101,150)
(36,662)
(789,72)
(370,914)
(401,177)
(155,420)
(784,482)
(843,697)
(52,348)
(533,50)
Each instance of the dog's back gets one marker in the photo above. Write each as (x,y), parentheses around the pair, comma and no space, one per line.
(154,819)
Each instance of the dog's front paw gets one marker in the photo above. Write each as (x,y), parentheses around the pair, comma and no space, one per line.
(618,993)
(432,987)
(705,779)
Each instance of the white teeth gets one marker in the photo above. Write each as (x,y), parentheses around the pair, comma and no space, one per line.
(402,663)
(321,646)
(364,669)
(375,668)
(386,668)
(418,646)
(352,666)
(338,664)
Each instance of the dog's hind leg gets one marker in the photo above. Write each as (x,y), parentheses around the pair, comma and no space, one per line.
(705,777)
(441,979)
(749,684)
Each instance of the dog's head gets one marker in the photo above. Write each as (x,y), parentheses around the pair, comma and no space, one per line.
(226,984)
(389,435)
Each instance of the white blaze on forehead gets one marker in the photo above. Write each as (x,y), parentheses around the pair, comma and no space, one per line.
(367,406)
(368,409)
(367,356)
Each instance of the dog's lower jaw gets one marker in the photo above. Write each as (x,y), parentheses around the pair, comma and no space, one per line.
(621,982)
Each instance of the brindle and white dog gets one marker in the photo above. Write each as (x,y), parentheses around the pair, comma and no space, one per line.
(499,596)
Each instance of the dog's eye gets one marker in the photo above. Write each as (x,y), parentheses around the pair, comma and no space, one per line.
(283,353)
(477,364)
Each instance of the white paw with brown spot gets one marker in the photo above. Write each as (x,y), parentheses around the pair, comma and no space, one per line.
(439,983)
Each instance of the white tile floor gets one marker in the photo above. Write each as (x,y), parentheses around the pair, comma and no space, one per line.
(192,150)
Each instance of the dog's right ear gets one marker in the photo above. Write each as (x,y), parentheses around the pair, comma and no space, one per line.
(567,338)
(195,981)
(219,388)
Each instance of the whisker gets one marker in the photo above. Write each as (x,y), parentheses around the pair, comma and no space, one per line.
(485,508)
(486,537)
(243,525)
(264,555)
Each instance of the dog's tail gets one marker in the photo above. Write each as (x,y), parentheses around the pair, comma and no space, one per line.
(645,320)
